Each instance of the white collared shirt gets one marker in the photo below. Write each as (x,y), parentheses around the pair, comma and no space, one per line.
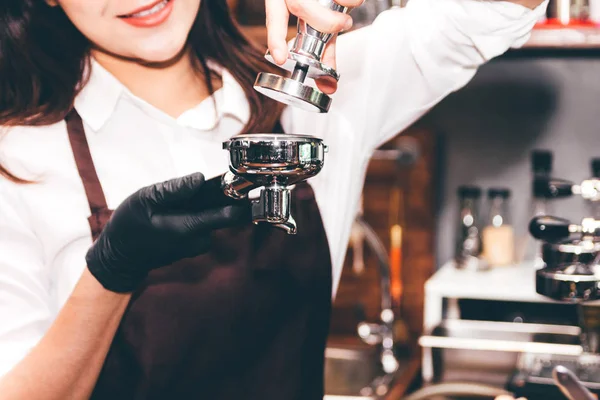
(391,73)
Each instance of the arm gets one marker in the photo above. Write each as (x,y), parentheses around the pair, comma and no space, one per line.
(409,59)
(66,363)
(324,20)
(154,227)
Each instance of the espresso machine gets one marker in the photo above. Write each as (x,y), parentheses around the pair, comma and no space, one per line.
(570,273)
(277,162)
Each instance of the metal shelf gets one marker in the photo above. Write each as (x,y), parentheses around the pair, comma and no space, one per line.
(504,337)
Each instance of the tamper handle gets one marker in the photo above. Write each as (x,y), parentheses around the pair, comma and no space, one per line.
(312,42)
(549,228)
(552,188)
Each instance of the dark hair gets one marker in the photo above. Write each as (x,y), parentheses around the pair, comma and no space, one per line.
(43,58)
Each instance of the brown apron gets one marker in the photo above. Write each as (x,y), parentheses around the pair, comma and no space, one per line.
(248,320)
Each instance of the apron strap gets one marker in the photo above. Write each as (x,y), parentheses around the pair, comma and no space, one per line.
(84,161)
(100,213)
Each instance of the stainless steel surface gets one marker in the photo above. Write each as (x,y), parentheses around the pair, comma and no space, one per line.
(570,385)
(316,69)
(274,207)
(235,186)
(504,337)
(292,92)
(569,282)
(276,163)
(588,189)
(354,372)
(553,188)
(571,271)
(382,332)
(540,369)
(305,30)
(304,61)
(489,352)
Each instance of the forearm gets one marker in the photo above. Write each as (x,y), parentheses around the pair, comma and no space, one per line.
(65,364)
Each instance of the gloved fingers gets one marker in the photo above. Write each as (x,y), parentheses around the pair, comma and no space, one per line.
(211,196)
(224,217)
(186,224)
(173,192)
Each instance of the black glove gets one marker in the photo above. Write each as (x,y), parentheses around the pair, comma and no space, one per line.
(161,224)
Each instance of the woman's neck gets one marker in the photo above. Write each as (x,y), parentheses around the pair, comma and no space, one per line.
(172,87)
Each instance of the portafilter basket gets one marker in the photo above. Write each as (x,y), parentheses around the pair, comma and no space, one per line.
(274,162)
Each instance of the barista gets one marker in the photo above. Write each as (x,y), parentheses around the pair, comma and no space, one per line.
(178,295)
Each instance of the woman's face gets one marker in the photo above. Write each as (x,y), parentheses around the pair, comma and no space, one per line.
(152,31)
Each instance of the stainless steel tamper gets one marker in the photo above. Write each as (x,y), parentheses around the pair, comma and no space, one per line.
(304,61)
(275,163)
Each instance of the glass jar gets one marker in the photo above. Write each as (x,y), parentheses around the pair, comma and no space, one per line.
(498,234)
(468,238)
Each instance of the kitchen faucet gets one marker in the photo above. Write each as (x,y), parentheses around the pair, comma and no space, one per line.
(381,332)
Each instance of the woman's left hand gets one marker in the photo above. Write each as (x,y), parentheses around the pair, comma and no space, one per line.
(315,15)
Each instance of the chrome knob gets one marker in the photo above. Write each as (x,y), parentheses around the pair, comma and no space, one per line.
(553,188)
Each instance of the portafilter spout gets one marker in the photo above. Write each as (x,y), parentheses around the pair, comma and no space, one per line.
(275,162)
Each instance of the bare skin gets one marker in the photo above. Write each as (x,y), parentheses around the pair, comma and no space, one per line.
(65,364)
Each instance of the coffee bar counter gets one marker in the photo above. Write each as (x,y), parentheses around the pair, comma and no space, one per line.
(507,283)
(495,350)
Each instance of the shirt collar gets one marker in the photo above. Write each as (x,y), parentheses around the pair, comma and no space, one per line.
(230,100)
(98,99)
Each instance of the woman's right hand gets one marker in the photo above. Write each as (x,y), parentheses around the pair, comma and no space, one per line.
(159,225)
(314,14)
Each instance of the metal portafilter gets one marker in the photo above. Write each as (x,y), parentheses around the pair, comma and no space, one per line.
(304,61)
(276,163)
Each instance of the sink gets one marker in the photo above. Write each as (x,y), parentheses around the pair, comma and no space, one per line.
(353,372)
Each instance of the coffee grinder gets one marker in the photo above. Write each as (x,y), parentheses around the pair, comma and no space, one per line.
(570,274)
(277,162)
